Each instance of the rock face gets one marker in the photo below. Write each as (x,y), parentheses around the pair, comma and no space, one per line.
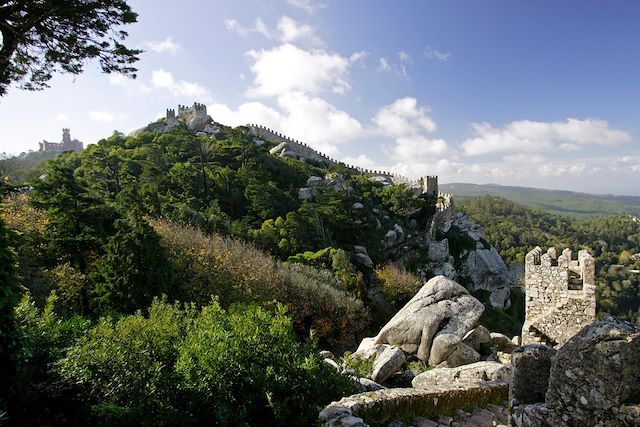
(387,363)
(477,337)
(485,269)
(475,372)
(594,380)
(441,306)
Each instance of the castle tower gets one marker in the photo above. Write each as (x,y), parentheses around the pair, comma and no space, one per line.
(66,136)
(430,185)
(171,114)
(560,296)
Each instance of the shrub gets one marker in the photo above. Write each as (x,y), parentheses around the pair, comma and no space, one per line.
(134,269)
(246,368)
(237,272)
(44,336)
(315,301)
(124,370)
(397,284)
(509,321)
(182,366)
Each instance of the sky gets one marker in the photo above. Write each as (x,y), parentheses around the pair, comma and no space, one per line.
(531,93)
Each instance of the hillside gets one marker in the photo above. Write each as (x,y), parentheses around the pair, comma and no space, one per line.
(553,201)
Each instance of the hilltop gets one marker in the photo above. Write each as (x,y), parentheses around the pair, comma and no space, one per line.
(554,201)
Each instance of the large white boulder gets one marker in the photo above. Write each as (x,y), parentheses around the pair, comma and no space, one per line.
(441,306)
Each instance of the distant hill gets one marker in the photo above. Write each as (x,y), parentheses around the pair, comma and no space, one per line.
(554,201)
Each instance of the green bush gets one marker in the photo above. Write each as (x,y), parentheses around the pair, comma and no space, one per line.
(182,366)
(134,269)
(124,370)
(246,368)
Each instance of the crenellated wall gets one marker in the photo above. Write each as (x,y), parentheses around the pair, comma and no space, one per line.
(560,295)
(292,147)
(186,113)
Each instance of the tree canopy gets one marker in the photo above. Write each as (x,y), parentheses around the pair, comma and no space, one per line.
(40,37)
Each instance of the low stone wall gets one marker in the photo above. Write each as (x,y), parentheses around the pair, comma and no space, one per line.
(382,406)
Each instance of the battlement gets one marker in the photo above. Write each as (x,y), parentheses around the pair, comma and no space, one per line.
(289,146)
(186,113)
(560,294)
(171,113)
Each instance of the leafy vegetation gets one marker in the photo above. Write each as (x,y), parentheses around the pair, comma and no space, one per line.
(39,38)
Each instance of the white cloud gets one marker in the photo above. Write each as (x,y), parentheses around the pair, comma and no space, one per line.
(165,46)
(317,122)
(362,160)
(408,123)
(291,31)
(234,25)
(300,116)
(129,84)
(105,116)
(288,68)
(404,56)
(261,28)
(161,79)
(383,65)
(62,118)
(529,136)
(404,118)
(250,112)
(431,53)
(307,5)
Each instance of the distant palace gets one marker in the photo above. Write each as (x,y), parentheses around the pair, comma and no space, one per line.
(67,144)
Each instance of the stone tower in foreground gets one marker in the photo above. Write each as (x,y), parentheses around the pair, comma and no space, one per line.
(560,296)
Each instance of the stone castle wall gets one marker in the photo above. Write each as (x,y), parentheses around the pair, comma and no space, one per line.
(559,294)
(186,113)
(300,149)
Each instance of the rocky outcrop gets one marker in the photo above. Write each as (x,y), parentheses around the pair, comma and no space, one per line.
(474,372)
(594,380)
(484,269)
(478,266)
(448,350)
(477,338)
(440,307)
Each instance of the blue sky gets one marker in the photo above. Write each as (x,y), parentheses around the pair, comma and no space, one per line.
(538,93)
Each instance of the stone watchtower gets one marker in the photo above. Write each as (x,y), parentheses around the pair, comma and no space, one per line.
(560,296)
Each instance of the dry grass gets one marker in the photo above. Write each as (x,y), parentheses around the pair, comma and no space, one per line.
(238,272)
(398,285)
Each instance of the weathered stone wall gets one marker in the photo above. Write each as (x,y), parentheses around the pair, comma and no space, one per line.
(380,407)
(187,113)
(560,296)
